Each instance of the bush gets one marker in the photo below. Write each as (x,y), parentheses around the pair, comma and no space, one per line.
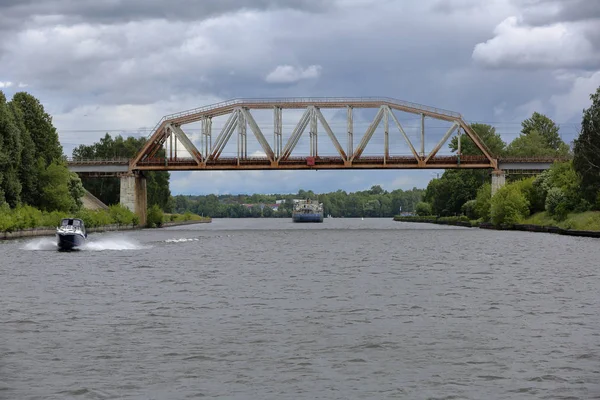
(556,203)
(121,215)
(423,209)
(508,206)
(154,218)
(483,202)
(534,194)
(468,209)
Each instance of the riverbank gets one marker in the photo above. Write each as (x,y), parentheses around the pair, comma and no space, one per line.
(569,227)
(51,231)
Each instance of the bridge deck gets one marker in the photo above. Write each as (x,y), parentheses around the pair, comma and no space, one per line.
(120,166)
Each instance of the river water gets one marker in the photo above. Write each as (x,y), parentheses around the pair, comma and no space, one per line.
(269,309)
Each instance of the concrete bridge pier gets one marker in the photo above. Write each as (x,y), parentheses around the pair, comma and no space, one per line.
(498,180)
(134,194)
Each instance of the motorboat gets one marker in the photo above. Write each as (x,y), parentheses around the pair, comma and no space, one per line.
(70,234)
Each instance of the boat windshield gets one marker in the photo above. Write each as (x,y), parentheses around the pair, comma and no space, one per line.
(71,222)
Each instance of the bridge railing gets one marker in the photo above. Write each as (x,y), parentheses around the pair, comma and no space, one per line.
(301,100)
(115,160)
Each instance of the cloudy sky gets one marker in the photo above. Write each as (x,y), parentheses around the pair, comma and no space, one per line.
(118,66)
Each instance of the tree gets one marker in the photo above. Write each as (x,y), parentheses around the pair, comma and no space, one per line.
(55,193)
(545,127)
(448,193)
(28,172)
(488,136)
(586,160)
(10,156)
(76,190)
(39,125)
(534,144)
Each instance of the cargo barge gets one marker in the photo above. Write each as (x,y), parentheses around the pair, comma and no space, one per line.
(307,211)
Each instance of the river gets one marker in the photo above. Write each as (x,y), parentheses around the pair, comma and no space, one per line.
(269,309)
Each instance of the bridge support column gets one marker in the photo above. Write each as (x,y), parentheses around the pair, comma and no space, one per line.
(498,180)
(134,195)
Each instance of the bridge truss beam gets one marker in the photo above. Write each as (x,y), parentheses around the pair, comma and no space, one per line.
(169,132)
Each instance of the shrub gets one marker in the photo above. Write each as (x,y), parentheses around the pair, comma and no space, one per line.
(468,209)
(154,218)
(121,215)
(556,203)
(508,206)
(423,209)
(483,202)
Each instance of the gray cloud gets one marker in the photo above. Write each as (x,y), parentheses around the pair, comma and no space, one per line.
(543,12)
(135,10)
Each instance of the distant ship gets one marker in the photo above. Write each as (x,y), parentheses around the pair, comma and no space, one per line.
(308,211)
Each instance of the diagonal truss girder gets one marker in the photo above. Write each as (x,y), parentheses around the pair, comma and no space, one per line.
(240,115)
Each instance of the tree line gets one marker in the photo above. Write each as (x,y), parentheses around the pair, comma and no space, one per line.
(570,186)
(33,171)
(375,202)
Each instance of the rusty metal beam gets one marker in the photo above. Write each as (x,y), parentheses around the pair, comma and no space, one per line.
(368,135)
(412,148)
(331,135)
(441,142)
(258,133)
(295,137)
(186,142)
(224,136)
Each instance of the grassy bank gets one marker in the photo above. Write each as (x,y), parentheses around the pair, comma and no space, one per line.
(576,224)
(586,221)
(432,219)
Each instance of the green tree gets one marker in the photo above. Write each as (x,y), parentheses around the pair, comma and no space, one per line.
(586,150)
(28,171)
(10,156)
(534,144)
(488,136)
(448,193)
(546,128)
(76,191)
(55,193)
(39,125)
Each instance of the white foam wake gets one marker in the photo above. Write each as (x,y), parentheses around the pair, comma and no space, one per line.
(112,244)
(182,240)
(40,244)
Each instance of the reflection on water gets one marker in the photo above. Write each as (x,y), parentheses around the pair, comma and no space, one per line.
(268,309)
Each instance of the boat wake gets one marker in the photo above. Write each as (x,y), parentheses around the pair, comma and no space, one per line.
(182,240)
(40,244)
(46,244)
(112,244)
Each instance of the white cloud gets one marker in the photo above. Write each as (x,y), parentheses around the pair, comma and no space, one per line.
(5,84)
(560,45)
(571,104)
(290,74)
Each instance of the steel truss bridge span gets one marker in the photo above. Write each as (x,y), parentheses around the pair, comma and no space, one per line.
(169,135)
